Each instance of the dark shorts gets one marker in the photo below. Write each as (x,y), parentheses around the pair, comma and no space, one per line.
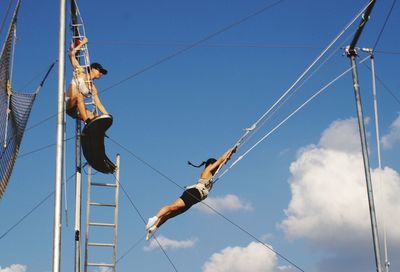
(73,112)
(190,197)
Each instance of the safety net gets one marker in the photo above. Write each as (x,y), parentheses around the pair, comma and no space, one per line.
(15,108)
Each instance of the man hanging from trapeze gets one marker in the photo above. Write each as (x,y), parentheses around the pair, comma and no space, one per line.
(192,195)
(82,87)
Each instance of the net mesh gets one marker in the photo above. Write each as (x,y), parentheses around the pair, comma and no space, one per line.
(15,108)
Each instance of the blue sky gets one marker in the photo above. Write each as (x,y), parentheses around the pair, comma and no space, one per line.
(302,190)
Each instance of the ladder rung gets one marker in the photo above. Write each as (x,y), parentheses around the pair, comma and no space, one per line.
(101,224)
(101,244)
(76,24)
(100,264)
(102,204)
(103,184)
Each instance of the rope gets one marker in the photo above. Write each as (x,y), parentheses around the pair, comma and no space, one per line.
(144,221)
(30,212)
(42,148)
(16,133)
(207,205)
(208,45)
(286,119)
(295,90)
(395,98)
(145,69)
(195,44)
(13,29)
(384,25)
(131,248)
(6,15)
(305,72)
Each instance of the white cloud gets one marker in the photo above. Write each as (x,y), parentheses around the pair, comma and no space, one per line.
(224,203)
(14,268)
(169,244)
(393,136)
(342,135)
(255,258)
(329,205)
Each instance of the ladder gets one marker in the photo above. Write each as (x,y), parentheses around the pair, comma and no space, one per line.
(101,234)
(79,31)
(83,54)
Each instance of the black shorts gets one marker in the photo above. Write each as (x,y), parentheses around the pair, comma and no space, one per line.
(190,197)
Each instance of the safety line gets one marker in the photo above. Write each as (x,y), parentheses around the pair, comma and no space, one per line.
(385,86)
(144,221)
(215,45)
(145,69)
(384,25)
(179,52)
(42,148)
(286,99)
(207,205)
(286,119)
(6,140)
(131,248)
(6,15)
(308,69)
(173,55)
(30,212)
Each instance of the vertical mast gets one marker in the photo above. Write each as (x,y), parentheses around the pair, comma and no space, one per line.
(59,142)
(351,53)
(370,51)
(78,163)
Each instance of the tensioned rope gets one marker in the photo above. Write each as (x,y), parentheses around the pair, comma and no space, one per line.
(42,148)
(181,51)
(394,96)
(374,50)
(285,120)
(287,92)
(15,108)
(286,99)
(131,248)
(24,103)
(213,45)
(162,60)
(40,203)
(171,179)
(301,77)
(6,15)
(384,25)
(166,177)
(146,163)
(207,205)
(144,221)
(195,44)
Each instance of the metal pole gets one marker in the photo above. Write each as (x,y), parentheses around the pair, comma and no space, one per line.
(78,165)
(118,164)
(88,200)
(59,145)
(78,197)
(364,148)
(378,145)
